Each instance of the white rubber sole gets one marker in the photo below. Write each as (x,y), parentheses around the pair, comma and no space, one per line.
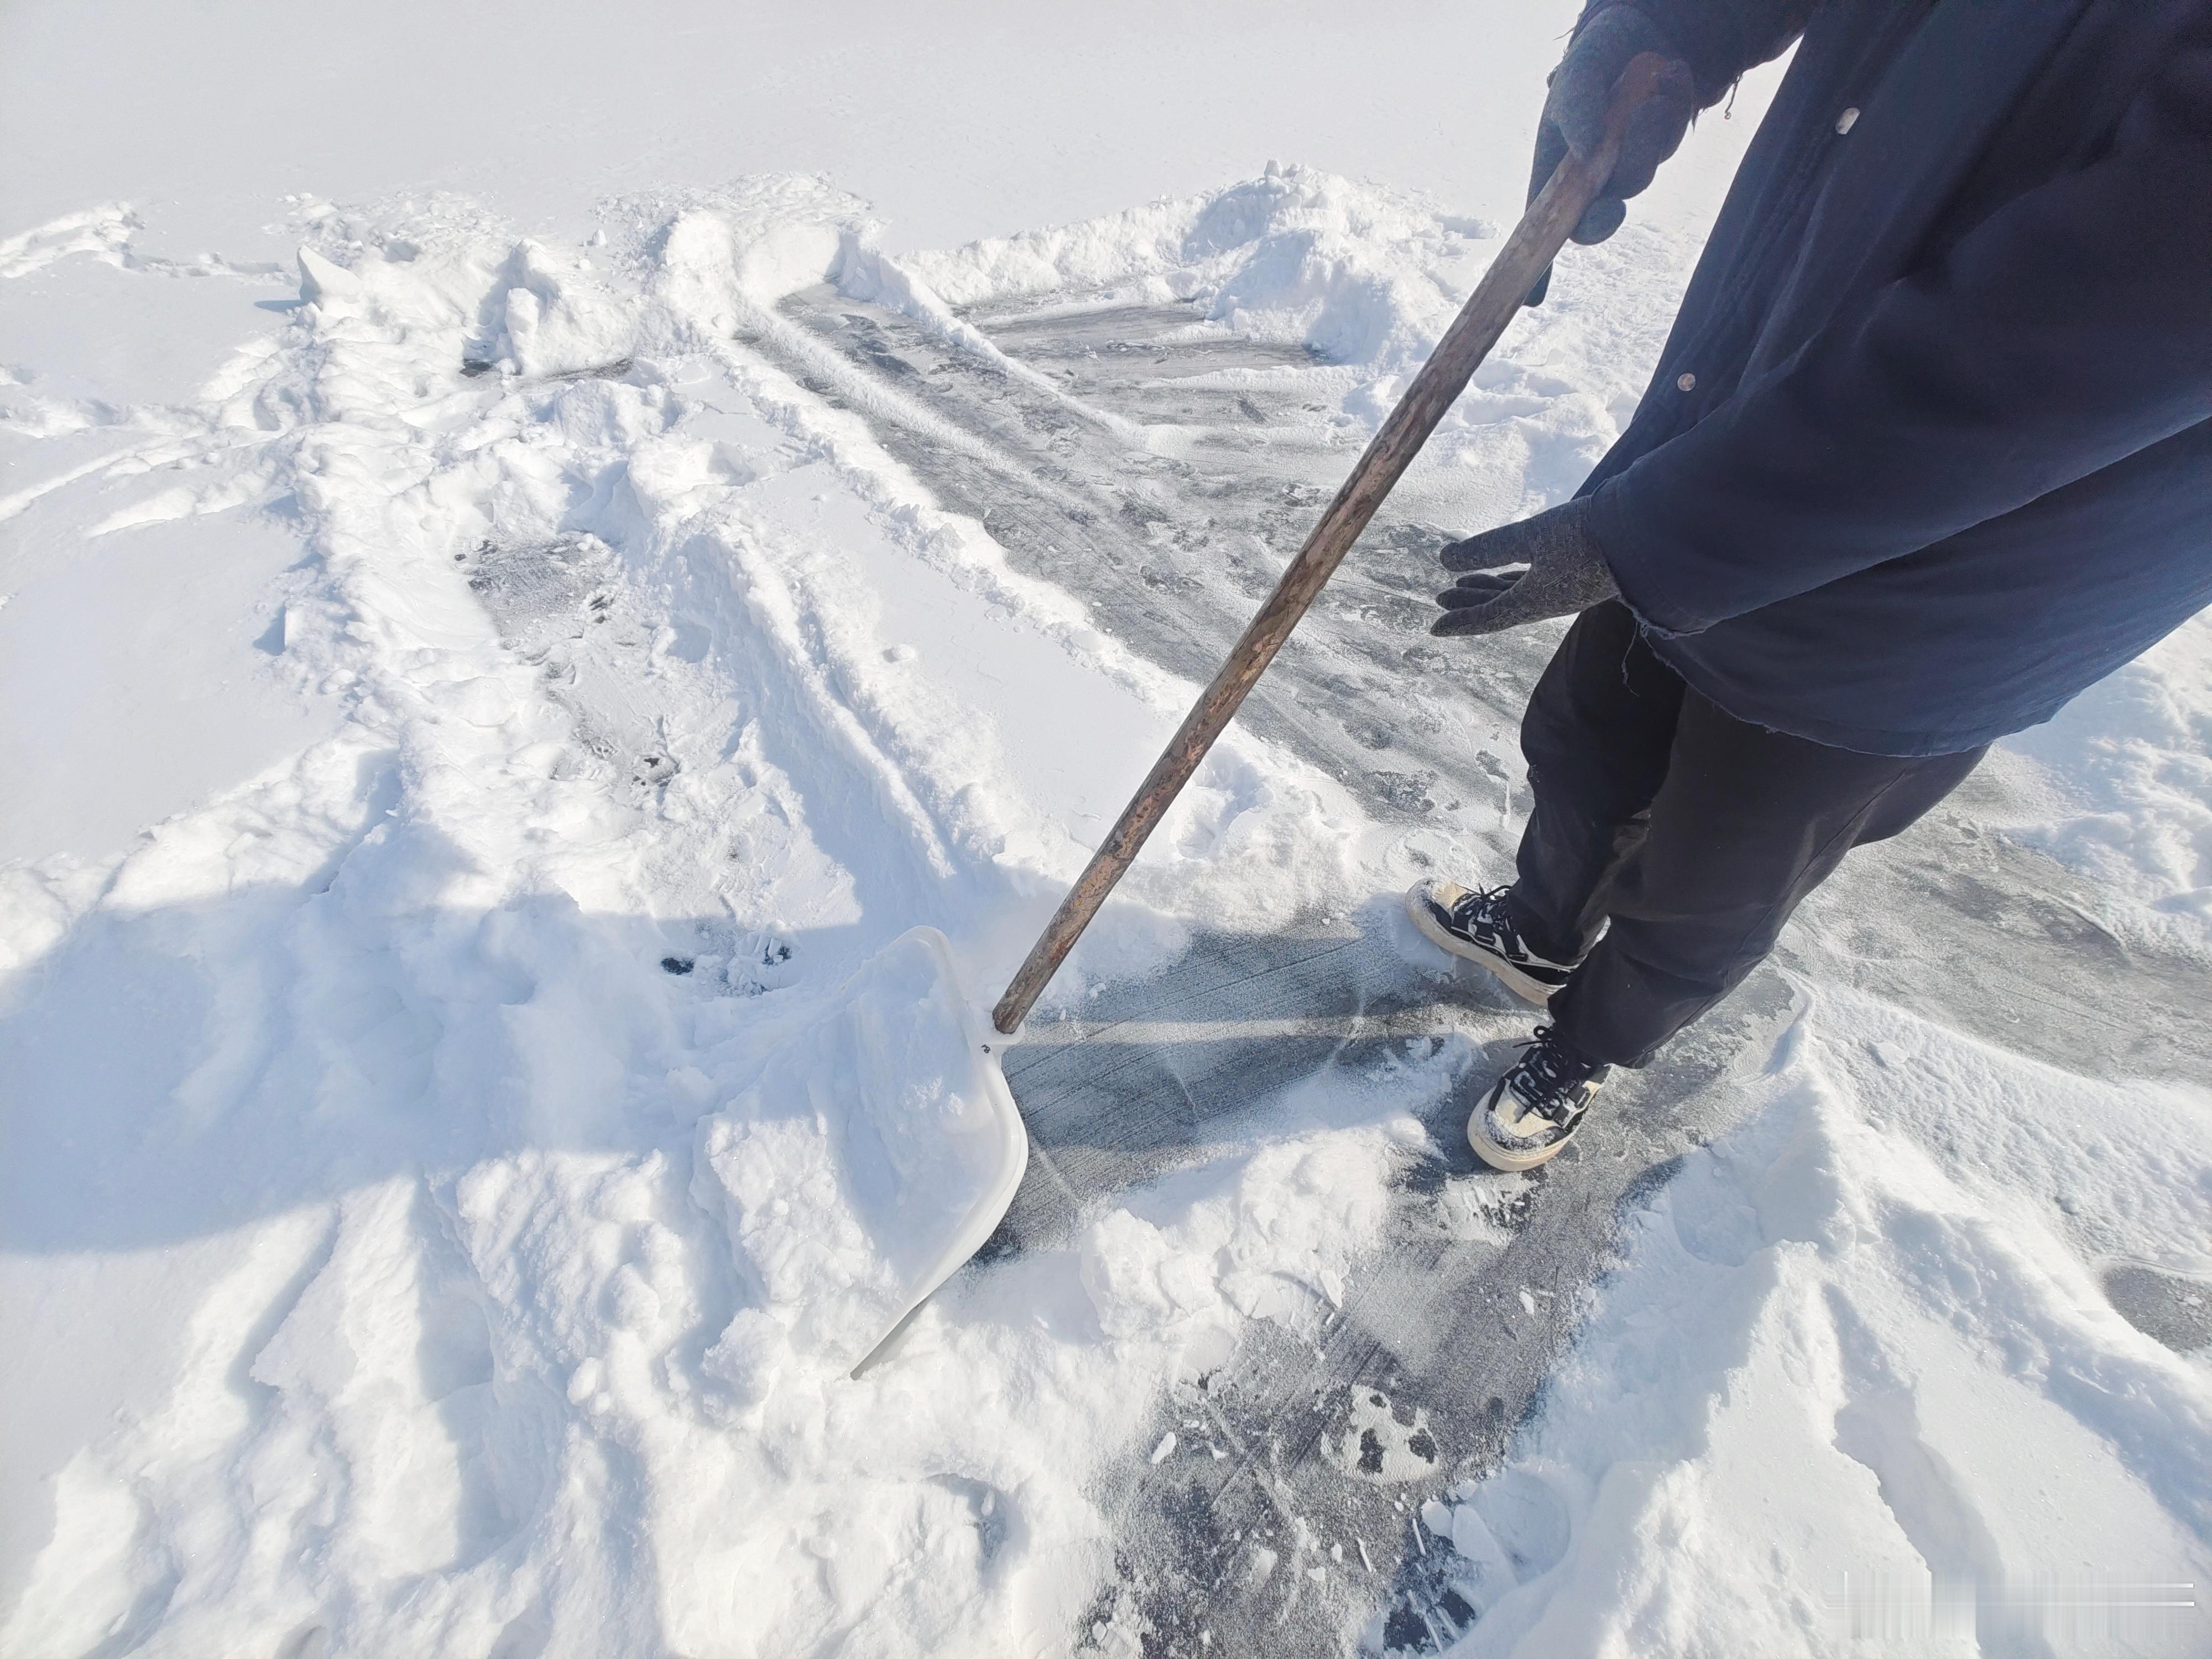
(1528,989)
(1503,1161)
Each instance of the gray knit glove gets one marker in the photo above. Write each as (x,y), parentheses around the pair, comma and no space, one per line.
(1574,117)
(1567,573)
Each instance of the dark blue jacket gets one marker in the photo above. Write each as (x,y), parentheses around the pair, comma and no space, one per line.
(1930,449)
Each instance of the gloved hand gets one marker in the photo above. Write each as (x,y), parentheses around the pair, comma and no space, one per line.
(1574,117)
(1566,572)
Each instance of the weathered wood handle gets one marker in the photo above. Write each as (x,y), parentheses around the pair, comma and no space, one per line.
(1535,243)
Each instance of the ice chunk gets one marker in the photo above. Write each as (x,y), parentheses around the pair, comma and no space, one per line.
(324,280)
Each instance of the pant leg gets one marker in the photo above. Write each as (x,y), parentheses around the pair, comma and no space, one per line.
(1597,736)
(1746,822)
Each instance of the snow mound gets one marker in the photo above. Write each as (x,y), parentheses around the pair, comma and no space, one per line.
(2130,761)
(104,232)
(1298,254)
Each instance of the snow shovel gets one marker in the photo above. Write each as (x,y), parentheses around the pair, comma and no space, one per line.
(872,1153)
(978,1111)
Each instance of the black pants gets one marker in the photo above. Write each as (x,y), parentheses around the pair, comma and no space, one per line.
(1693,833)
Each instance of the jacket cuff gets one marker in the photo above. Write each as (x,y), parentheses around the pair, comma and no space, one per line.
(1637,568)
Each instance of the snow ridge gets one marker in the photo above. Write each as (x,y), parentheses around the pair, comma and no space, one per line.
(1833,1335)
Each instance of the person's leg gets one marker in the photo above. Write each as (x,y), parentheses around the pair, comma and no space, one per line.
(1597,736)
(1746,823)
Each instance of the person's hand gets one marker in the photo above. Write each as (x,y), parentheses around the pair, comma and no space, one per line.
(1574,117)
(1566,574)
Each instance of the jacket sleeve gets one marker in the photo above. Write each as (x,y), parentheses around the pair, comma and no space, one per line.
(1720,39)
(2067,330)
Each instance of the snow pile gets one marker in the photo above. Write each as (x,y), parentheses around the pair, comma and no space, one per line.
(104,232)
(1799,1413)
(1368,277)
(2130,761)
(1350,270)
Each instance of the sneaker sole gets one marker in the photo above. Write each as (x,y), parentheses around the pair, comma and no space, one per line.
(1528,989)
(1504,1162)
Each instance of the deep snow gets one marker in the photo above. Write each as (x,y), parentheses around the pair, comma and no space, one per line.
(480,695)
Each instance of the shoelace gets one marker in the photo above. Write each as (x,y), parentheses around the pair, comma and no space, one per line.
(1543,1077)
(1475,902)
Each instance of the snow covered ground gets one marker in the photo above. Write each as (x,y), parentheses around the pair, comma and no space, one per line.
(720,490)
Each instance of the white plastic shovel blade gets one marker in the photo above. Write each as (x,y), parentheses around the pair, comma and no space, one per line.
(874,1153)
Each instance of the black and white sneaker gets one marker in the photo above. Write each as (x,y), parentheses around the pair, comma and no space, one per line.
(1534,1110)
(1473,922)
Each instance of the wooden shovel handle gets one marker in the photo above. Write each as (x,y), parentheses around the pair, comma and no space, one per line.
(1528,252)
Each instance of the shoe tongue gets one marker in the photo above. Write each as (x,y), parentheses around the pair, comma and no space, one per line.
(1536,1092)
(1543,1081)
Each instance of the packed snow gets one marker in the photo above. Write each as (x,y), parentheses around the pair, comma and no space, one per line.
(494,747)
